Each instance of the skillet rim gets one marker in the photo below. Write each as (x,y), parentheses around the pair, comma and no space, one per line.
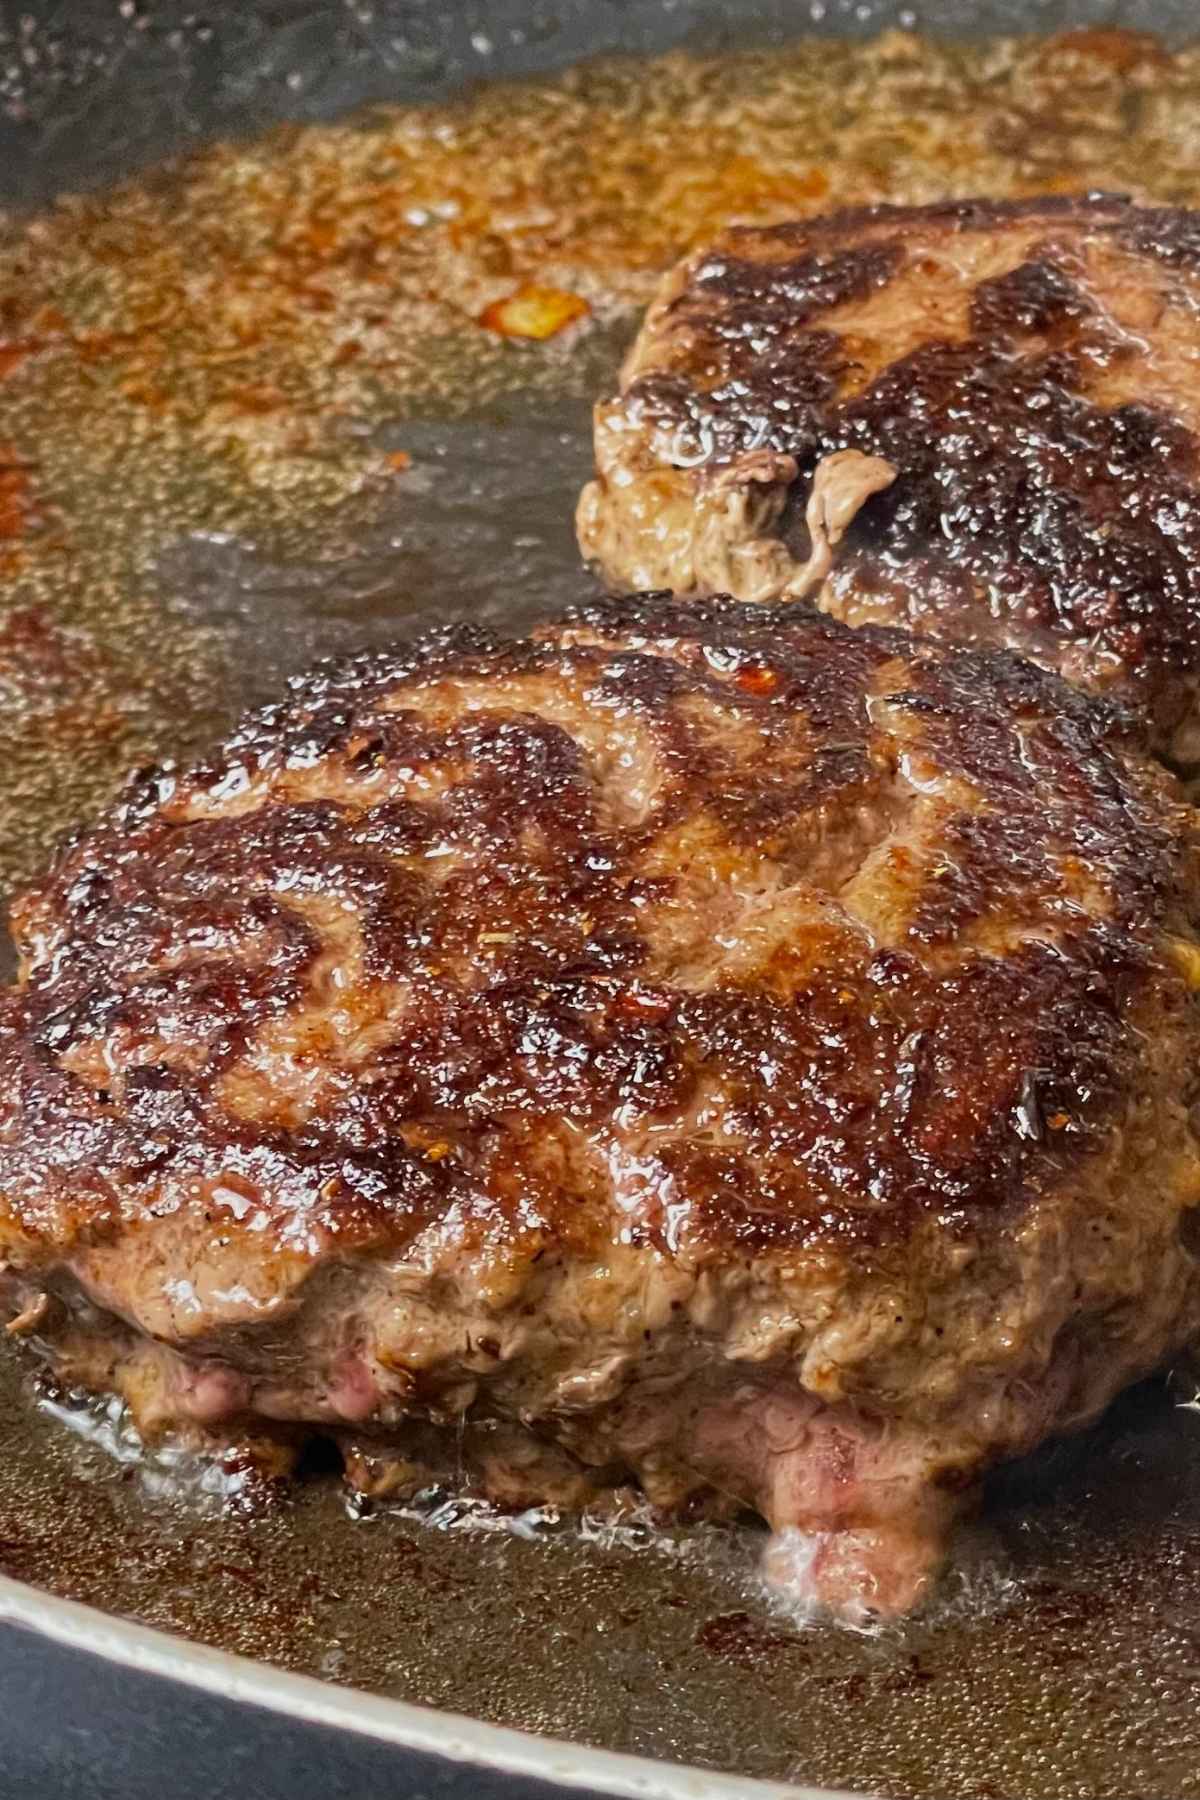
(454,1737)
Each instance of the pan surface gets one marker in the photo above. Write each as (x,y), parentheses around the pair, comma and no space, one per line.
(248,415)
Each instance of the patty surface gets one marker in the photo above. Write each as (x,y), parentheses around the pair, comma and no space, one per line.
(699,1046)
(977,419)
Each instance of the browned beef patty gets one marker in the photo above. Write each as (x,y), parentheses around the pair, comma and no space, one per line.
(996,404)
(699,1045)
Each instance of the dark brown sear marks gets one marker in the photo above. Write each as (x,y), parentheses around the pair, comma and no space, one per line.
(540,873)
(767,298)
(1061,521)
(1047,494)
(1035,296)
(1168,233)
(776,375)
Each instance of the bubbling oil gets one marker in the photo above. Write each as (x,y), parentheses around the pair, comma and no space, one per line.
(267,404)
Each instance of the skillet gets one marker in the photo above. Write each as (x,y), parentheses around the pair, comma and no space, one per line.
(148,593)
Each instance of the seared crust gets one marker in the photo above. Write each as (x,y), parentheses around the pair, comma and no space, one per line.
(1027,367)
(750,1053)
(876,910)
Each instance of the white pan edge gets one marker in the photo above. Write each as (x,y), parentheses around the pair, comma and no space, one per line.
(420,1728)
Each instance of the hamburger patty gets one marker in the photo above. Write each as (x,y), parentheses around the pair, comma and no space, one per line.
(976,419)
(697,1046)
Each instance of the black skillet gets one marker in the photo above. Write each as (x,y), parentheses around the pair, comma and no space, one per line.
(91,1705)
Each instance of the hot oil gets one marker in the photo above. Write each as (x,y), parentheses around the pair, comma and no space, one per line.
(1061,1660)
(263,406)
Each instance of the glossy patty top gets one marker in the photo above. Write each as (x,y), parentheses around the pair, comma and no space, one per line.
(1031,371)
(694,926)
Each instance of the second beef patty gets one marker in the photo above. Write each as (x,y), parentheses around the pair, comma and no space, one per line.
(975,419)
